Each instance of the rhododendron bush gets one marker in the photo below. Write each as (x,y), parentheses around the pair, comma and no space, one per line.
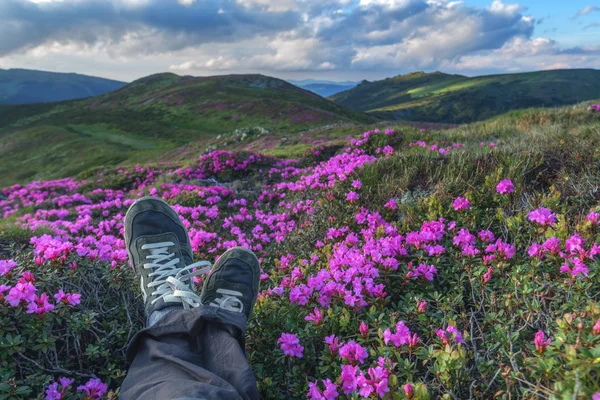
(409,265)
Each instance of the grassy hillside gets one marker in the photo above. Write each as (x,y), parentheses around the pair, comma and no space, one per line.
(21,86)
(150,117)
(454,264)
(439,97)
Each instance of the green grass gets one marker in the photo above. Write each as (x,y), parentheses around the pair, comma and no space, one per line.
(446,98)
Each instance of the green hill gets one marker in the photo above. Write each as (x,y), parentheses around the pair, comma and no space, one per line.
(439,97)
(146,119)
(22,86)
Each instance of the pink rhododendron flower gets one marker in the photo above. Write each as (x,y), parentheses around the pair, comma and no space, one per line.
(356,184)
(316,317)
(409,390)
(352,197)
(505,186)
(94,388)
(391,205)
(353,353)
(593,217)
(427,272)
(330,392)
(376,382)
(333,342)
(21,292)
(596,328)
(486,236)
(40,305)
(543,216)
(348,378)
(540,341)
(6,266)
(363,329)
(461,203)
(400,337)
(421,307)
(448,334)
(290,345)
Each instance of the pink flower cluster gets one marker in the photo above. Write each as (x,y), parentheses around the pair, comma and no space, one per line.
(542,216)
(574,254)
(23,293)
(290,345)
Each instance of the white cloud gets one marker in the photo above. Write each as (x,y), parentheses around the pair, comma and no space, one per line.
(281,36)
(587,10)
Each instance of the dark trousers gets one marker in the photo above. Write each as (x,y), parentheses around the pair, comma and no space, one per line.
(188,355)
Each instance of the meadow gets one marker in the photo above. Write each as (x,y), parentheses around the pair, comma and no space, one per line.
(406,264)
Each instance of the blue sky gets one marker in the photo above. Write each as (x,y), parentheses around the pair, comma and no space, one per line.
(557,22)
(298,39)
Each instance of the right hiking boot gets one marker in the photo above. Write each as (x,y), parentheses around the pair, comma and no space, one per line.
(233,282)
(160,251)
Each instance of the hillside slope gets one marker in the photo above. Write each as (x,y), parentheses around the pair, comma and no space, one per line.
(147,118)
(439,97)
(22,86)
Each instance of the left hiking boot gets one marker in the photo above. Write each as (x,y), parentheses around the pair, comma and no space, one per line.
(159,249)
(233,282)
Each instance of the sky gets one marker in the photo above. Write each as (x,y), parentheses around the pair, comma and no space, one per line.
(336,40)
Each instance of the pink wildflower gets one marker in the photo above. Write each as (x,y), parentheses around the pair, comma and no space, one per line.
(356,184)
(449,333)
(316,317)
(505,186)
(391,205)
(543,216)
(6,266)
(94,388)
(363,329)
(333,342)
(540,341)
(348,378)
(352,197)
(596,328)
(409,390)
(290,345)
(461,203)
(353,352)
(399,338)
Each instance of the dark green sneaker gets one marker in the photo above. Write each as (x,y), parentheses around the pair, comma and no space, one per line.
(233,282)
(160,251)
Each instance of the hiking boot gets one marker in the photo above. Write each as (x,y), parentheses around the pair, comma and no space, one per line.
(161,254)
(233,282)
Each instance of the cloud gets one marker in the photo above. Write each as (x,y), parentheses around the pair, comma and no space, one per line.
(280,36)
(591,26)
(522,54)
(150,26)
(587,10)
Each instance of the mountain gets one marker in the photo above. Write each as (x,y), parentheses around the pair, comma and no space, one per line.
(22,86)
(439,97)
(146,119)
(324,88)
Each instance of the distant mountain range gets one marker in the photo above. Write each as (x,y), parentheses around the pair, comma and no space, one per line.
(324,88)
(439,97)
(22,86)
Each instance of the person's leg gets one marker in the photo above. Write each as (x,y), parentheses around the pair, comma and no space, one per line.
(193,347)
(189,354)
